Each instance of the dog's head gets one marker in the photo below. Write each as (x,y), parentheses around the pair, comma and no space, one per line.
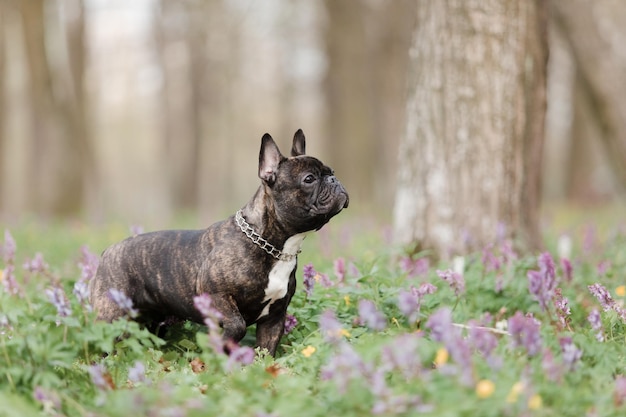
(303,192)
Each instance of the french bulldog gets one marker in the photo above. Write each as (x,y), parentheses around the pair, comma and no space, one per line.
(245,263)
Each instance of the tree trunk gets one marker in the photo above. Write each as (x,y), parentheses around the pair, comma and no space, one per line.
(595,33)
(470,160)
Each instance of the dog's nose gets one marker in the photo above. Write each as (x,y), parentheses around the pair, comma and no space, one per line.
(331,179)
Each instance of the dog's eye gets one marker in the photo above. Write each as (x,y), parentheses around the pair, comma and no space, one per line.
(309,179)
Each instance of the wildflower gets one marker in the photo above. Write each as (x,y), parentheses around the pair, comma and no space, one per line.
(37,264)
(485,388)
(100,377)
(8,280)
(346,299)
(454,279)
(535,402)
(308,351)
(571,354)
(619,395)
(603,267)
(339,266)
(123,302)
(342,368)
(442,330)
(137,373)
(566,265)
(370,316)
(243,355)
(57,297)
(48,399)
(88,264)
(524,332)
(441,357)
(621,291)
(484,341)
(8,248)
(81,292)
(212,318)
(290,323)
(516,390)
(330,327)
(602,295)
(413,267)
(542,283)
(596,324)
(561,305)
(409,302)
(551,368)
(323,280)
(402,355)
(308,274)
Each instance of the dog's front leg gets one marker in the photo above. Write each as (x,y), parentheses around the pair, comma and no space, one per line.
(269,331)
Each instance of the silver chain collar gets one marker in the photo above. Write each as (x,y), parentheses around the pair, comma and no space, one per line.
(260,242)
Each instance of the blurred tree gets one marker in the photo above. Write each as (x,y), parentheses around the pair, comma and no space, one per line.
(366,44)
(470,160)
(596,35)
(62,166)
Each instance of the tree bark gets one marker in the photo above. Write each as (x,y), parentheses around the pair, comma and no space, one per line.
(595,33)
(470,160)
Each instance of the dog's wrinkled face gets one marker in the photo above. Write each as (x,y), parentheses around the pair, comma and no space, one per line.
(305,192)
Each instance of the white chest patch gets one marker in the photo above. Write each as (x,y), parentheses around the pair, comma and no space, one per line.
(278,279)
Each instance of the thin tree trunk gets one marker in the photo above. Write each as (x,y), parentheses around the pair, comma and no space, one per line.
(470,160)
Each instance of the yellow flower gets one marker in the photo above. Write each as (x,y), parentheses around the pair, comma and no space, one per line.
(485,388)
(535,402)
(344,333)
(346,299)
(308,351)
(442,357)
(1,274)
(516,390)
(621,291)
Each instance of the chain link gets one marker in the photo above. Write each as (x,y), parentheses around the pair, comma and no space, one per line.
(258,240)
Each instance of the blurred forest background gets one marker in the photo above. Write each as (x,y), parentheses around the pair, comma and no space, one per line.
(144,109)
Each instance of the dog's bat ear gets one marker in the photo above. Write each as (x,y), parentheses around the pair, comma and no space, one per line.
(269,158)
(299,144)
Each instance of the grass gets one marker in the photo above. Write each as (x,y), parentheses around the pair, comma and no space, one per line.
(465,351)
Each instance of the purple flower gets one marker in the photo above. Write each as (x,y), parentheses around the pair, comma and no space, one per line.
(212,318)
(330,327)
(596,324)
(339,266)
(81,292)
(542,283)
(48,399)
(8,280)
(370,316)
(415,267)
(344,367)
(123,302)
(561,305)
(290,323)
(490,260)
(8,248)
(442,330)
(482,339)
(603,267)
(571,354)
(242,355)
(606,301)
(308,273)
(402,355)
(37,264)
(409,302)
(566,265)
(57,297)
(137,373)
(88,264)
(98,376)
(551,368)
(524,332)
(454,279)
